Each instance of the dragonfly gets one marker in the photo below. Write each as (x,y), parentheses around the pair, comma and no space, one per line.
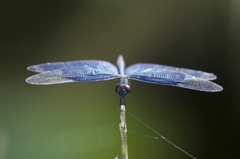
(98,70)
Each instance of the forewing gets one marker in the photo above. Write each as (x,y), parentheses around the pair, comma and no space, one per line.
(72,74)
(145,67)
(93,64)
(175,78)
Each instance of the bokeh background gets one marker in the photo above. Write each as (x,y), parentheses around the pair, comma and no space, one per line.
(80,120)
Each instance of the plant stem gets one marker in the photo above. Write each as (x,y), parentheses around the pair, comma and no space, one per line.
(123,131)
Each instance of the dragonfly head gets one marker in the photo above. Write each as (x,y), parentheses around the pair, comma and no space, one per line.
(123,89)
(123,86)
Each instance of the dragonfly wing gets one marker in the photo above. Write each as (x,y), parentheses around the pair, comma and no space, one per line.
(94,64)
(145,67)
(71,74)
(175,78)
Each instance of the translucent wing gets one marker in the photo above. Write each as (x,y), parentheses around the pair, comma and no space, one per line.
(145,67)
(178,79)
(94,64)
(71,74)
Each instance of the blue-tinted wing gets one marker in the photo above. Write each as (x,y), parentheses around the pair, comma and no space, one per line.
(174,78)
(72,74)
(94,64)
(145,67)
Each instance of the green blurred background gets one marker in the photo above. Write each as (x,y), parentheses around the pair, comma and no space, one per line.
(80,120)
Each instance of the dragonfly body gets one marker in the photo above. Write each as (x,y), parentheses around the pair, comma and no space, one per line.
(96,70)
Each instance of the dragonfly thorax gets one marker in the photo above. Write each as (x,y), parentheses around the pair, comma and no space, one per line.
(123,86)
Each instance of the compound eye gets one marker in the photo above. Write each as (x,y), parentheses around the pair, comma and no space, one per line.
(122,89)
